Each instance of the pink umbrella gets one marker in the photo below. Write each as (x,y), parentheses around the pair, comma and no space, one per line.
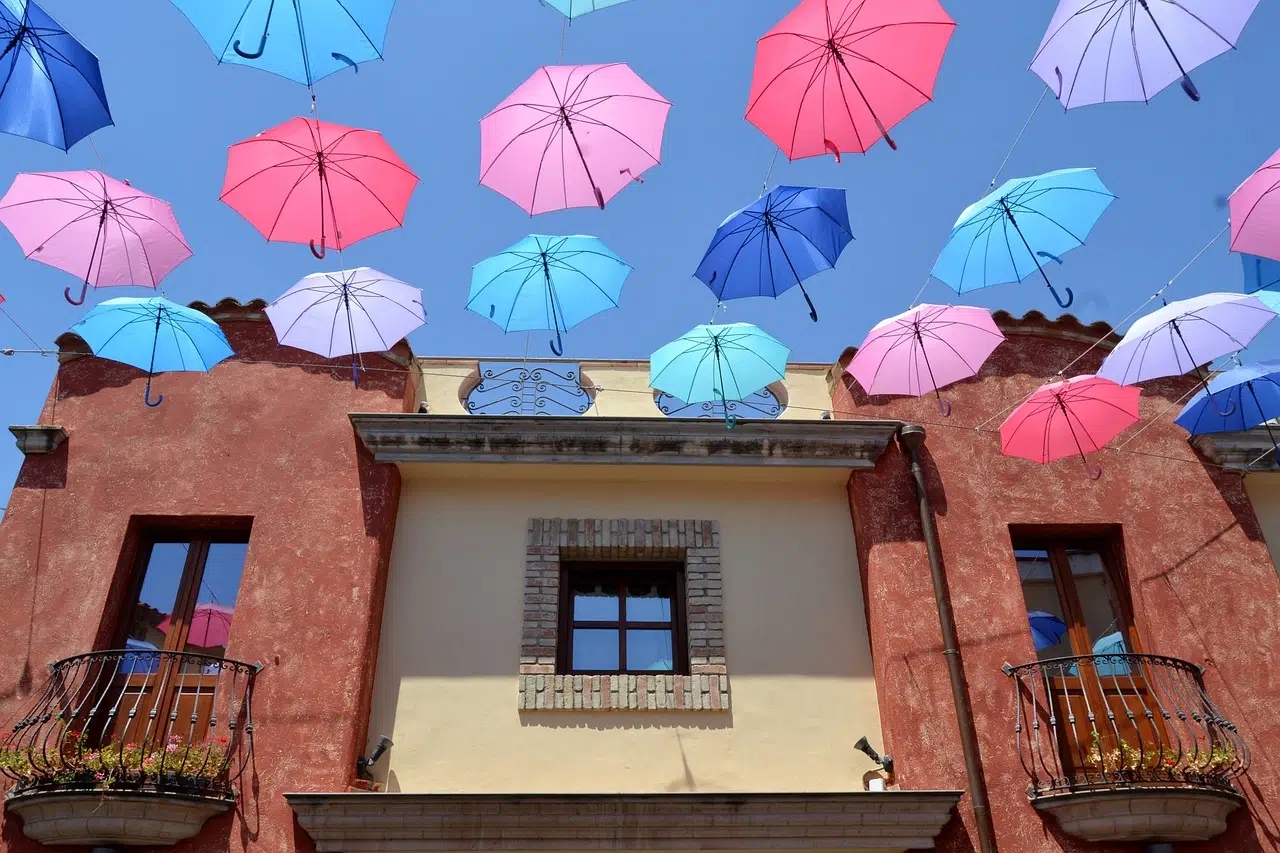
(1075,416)
(835,75)
(1255,212)
(91,225)
(572,136)
(210,626)
(925,349)
(309,181)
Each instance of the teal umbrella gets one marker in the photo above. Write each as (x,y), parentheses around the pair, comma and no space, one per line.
(576,8)
(718,363)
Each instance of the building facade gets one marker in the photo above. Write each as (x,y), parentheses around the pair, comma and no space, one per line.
(498,605)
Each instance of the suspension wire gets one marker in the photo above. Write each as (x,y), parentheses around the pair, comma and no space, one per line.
(564,35)
(1018,139)
(25,334)
(764,187)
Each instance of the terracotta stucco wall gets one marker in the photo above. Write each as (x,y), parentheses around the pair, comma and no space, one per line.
(249,439)
(1200,576)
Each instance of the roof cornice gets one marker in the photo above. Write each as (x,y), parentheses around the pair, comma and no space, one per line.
(1249,450)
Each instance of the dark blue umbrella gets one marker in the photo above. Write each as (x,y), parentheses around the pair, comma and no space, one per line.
(773,245)
(1047,630)
(50,87)
(1236,400)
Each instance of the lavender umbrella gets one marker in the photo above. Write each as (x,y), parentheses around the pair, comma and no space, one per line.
(1099,51)
(345,313)
(1180,337)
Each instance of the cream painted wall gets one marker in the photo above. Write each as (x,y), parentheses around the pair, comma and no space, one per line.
(625,387)
(796,638)
(1264,493)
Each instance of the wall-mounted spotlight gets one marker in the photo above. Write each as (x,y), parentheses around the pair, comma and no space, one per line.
(866,749)
(384,743)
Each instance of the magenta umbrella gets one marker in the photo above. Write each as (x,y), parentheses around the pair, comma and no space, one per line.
(925,349)
(572,136)
(1255,212)
(1075,416)
(91,225)
(210,625)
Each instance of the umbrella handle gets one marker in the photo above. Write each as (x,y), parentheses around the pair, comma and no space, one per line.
(1071,297)
(84,291)
(1095,472)
(262,46)
(1050,257)
(730,421)
(889,139)
(342,57)
(831,146)
(944,407)
(1190,88)
(1230,410)
(319,253)
(146,397)
(599,197)
(557,346)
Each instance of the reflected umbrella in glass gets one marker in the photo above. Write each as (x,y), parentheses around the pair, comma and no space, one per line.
(210,626)
(1047,630)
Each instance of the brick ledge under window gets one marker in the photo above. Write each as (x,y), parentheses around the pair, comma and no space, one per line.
(694,542)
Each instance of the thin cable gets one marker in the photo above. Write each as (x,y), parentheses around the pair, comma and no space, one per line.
(769,174)
(1155,420)
(1021,133)
(25,333)
(920,292)
(564,34)
(94,146)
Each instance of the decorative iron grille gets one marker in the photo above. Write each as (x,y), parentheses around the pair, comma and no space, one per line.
(762,404)
(130,719)
(528,388)
(1102,721)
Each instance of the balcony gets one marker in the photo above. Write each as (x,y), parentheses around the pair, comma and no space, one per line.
(130,747)
(1126,747)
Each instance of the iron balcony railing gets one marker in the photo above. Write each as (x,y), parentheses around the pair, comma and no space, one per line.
(135,719)
(1105,721)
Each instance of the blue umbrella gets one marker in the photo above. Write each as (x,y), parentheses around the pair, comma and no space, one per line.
(551,283)
(776,243)
(303,40)
(575,8)
(154,335)
(1002,237)
(722,363)
(1262,279)
(1235,400)
(1047,630)
(50,87)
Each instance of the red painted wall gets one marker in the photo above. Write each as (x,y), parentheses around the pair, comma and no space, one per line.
(1202,582)
(267,440)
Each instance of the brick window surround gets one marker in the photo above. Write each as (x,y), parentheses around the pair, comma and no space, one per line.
(695,543)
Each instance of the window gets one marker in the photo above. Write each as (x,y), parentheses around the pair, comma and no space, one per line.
(622,618)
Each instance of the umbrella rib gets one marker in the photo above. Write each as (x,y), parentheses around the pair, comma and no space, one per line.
(289,195)
(343,6)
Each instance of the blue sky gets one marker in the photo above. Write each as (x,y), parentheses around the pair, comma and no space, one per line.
(447,63)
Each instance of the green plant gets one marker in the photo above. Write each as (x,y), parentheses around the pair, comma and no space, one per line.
(1124,758)
(70,760)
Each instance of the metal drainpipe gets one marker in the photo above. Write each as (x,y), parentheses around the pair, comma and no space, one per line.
(912,437)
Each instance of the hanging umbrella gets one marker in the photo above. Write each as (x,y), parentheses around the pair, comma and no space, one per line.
(572,136)
(1047,630)
(1255,212)
(210,625)
(547,283)
(777,242)
(1242,398)
(345,313)
(95,227)
(1075,416)
(50,86)
(302,40)
(1181,336)
(576,8)
(1002,237)
(1099,51)
(309,180)
(1262,279)
(154,335)
(723,363)
(924,350)
(834,75)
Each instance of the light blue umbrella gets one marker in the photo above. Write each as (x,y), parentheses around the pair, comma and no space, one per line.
(1262,279)
(154,335)
(551,283)
(303,40)
(576,8)
(1004,236)
(722,363)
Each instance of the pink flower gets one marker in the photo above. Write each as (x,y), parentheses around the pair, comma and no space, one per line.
(99,775)
(175,738)
(222,739)
(172,747)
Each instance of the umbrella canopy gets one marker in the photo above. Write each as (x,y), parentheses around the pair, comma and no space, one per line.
(924,350)
(1002,237)
(154,335)
(95,227)
(549,283)
(345,313)
(718,363)
(309,181)
(303,40)
(50,86)
(1255,212)
(1235,400)
(777,242)
(834,75)
(572,136)
(1047,630)
(575,8)
(210,625)
(1183,335)
(1128,50)
(1075,416)
(1262,279)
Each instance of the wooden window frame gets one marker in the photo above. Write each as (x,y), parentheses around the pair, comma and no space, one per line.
(665,575)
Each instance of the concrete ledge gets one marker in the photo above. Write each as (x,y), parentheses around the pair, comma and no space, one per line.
(883,821)
(1142,814)
(590,440)
(103,818)
(41,438)
(1251,450)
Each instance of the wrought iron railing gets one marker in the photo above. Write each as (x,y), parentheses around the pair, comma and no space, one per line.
(1105,721)
(135,719)
(762,404)
(529,388)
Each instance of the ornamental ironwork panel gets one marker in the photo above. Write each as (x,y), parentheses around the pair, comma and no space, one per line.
(528,388)
(762,404)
